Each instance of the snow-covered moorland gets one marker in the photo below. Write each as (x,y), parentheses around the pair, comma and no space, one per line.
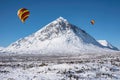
(101,67)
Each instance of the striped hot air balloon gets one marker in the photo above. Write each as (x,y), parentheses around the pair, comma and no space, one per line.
(23,14)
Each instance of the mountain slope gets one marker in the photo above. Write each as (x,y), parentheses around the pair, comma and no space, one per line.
(107,44)
(59,36)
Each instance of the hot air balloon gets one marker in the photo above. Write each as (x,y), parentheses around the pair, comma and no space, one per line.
(23,14)
(92,22)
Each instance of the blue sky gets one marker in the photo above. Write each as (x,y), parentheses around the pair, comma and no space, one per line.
(106,14)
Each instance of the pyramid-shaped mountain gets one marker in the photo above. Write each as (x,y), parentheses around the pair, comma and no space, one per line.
(59,36)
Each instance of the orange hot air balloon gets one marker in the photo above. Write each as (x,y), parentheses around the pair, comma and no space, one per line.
(23,14)
(92,22)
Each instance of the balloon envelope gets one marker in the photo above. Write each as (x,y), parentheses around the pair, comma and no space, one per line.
(23,14)
(92,22)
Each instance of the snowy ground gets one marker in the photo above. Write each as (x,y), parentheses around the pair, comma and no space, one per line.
(104,67)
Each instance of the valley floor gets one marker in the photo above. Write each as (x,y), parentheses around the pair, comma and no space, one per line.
(100,67)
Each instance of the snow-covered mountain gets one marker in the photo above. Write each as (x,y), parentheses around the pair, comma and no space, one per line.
(59,36)
(107,44)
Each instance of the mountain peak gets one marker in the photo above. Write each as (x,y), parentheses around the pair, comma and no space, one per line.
(105,43)
(60,20)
